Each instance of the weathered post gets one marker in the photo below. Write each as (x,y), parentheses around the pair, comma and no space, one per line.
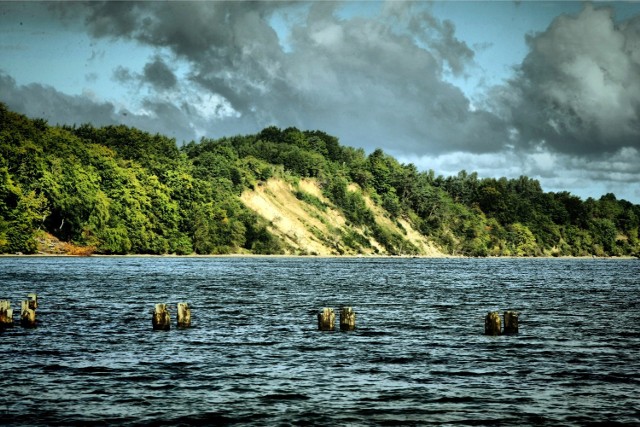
(511,322)
(6,314)
(33,301)
(347,319)
(492,323)
(326,319)
(27,315)
(161,318)
(184,315)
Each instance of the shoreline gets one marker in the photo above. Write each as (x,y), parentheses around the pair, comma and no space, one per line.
(362,256)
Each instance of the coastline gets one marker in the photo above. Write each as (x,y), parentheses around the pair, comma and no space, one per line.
(358,256)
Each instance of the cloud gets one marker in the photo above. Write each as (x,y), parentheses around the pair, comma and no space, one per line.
(156,73)
(124,75)
(578,89)
(36,100)
(159,75)
(375,82)
(557,172)
(570,112)
(372,83)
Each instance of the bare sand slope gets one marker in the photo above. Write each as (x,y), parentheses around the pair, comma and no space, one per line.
(308,229)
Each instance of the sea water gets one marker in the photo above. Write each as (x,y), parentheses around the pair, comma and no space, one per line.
(254,356)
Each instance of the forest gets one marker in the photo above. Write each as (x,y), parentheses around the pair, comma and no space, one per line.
(120,190)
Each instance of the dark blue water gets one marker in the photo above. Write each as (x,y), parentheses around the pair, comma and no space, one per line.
(254,356)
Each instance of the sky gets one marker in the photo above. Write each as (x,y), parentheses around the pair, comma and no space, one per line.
(550,90)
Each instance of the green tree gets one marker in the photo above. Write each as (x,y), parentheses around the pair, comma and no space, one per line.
(521,240)
(604,234)
(24,222)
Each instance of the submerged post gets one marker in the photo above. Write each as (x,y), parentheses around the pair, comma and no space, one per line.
(161,318)
(326,319)
(6,314)
(33,301)
(347,319)
(511,322)
(27,315)
(492,323)
(184,315)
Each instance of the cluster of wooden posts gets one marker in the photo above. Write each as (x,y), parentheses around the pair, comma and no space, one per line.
(27,312)
(161,320)
(493,324)
(327,319)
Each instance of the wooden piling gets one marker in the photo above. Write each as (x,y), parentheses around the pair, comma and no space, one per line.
(492,324)
(184,315)
(33,301)
(347,319)
(161,318)
(511,322)
(6,314)
(27,315)
(326,319)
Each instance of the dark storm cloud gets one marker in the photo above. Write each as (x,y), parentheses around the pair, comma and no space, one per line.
(155,73)
(194,30)
(230,46)
(578,89)
(101,16)
(375,82)
(159,75)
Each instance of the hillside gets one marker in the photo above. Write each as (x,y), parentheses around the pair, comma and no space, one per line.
(118,190)
(308,228)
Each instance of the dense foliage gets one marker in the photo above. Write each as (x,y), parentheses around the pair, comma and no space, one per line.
(119,190)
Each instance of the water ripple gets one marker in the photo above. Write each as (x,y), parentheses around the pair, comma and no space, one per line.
(253,355)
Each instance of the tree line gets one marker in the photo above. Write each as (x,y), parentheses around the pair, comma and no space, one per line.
(119,190)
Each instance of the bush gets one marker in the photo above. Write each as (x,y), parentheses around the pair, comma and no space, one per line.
(310,199)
